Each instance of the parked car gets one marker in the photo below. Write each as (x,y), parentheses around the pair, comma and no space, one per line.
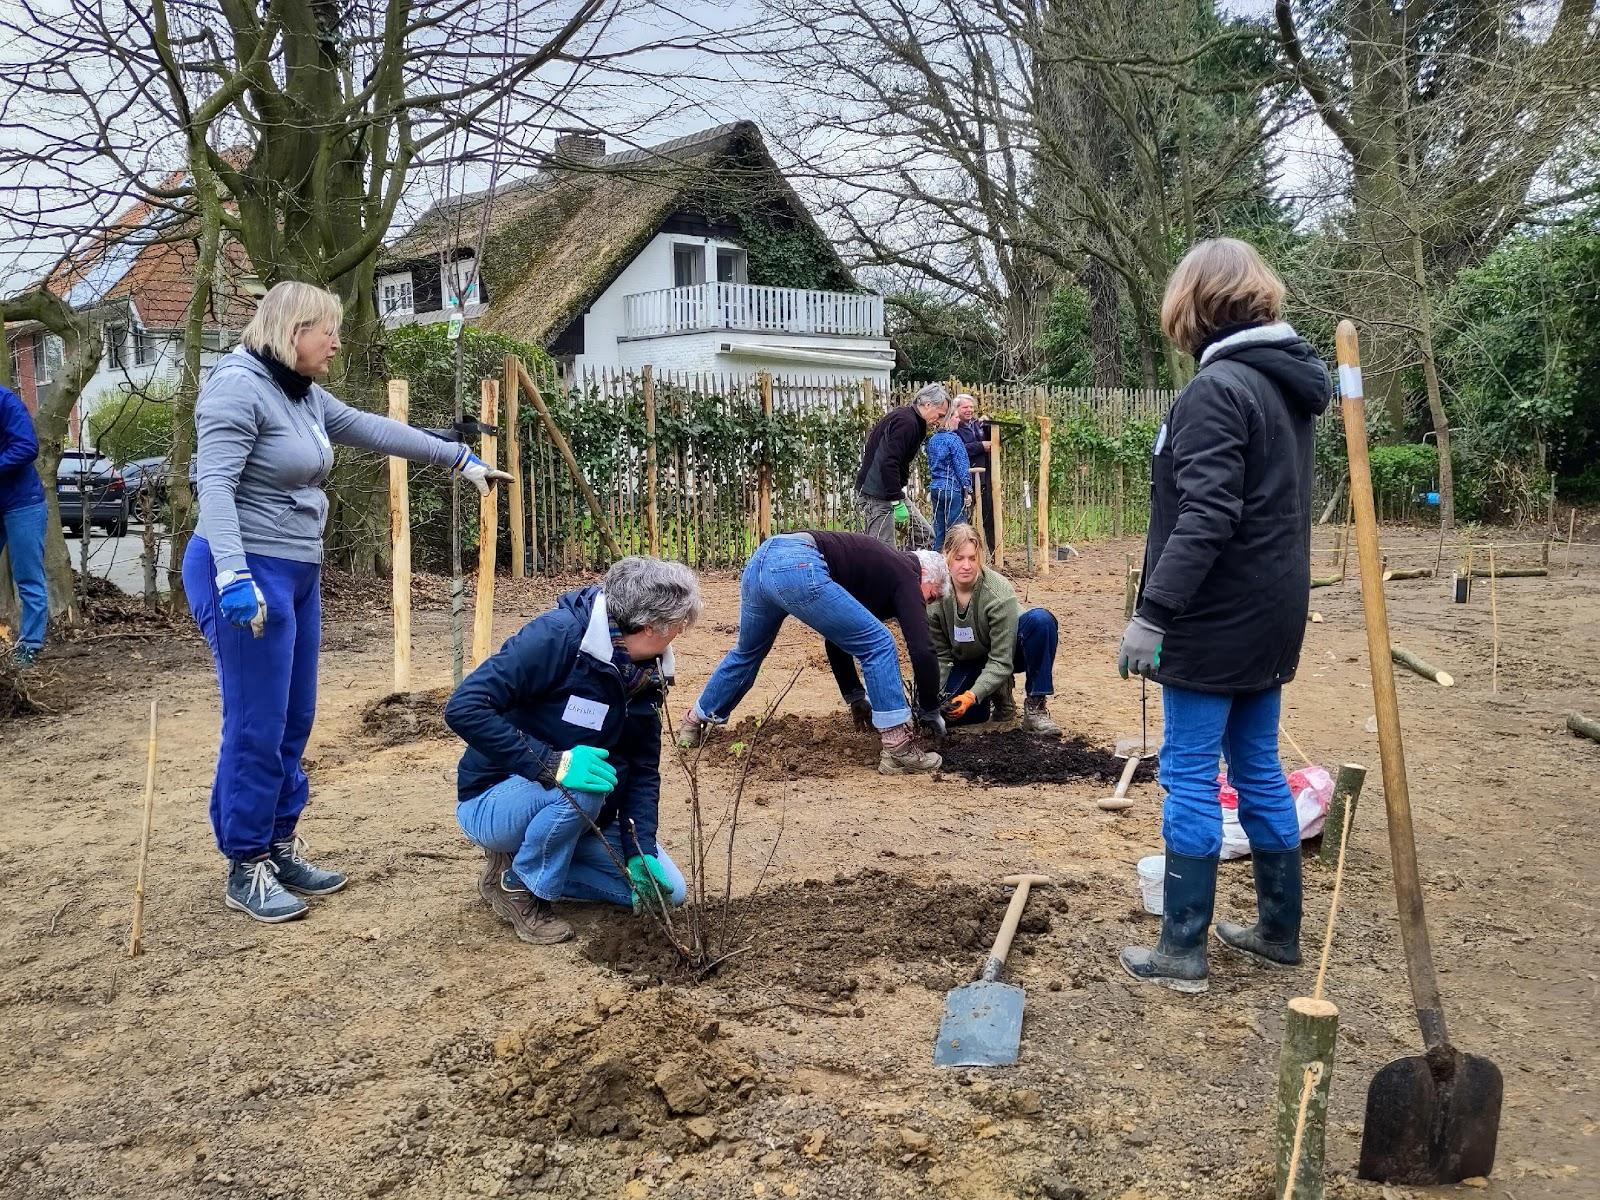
(146,482)
(82,473)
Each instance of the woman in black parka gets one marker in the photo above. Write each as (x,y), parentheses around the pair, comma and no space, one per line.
(1222,607)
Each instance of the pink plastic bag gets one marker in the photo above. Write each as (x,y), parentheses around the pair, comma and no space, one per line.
(1312,788)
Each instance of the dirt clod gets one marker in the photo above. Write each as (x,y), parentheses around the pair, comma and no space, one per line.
(402,717)
(794,747)
(1013,757)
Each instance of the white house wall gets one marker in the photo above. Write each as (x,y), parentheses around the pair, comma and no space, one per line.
(161,374)
(650,270)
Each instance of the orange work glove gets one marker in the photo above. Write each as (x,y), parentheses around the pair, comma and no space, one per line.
(956,707)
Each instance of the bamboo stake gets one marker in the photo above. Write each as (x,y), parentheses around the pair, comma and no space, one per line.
(488,531)
(1494,625)
(652,522)
(400,542)
(997,499)
(1572,517)
(764,483)
(560,440)
(1344,556)
(1427,670)
(1342,810)
(1045,554)
(515,513)
(136,936)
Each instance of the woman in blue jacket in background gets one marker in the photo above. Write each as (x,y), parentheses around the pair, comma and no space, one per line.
(563,733)
(949,481)
(22,523)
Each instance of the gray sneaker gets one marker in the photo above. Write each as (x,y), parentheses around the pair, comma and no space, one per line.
(254,890)
(298,874)
(907,758)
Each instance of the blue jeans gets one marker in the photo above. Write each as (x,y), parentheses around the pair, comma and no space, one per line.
(1037,636)
(554,852)
(787,577)
(1243,728)
(22,531)
(269,697)
(949,509)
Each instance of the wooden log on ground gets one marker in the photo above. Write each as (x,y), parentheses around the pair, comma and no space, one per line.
(1310,1033)
(565,449)
(1426,669)
(488,534)
(1584,726)
(400,542)
(1346,791)
(1509,572)
(1408,573)
(1326,580)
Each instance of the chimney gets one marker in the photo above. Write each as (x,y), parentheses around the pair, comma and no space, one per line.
(577,149)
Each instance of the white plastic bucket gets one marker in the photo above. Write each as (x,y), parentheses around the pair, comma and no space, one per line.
(1152,877)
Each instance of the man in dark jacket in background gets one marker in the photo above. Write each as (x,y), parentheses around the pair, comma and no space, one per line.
(1222,609)
(22,523)
(885,466)
(563,733)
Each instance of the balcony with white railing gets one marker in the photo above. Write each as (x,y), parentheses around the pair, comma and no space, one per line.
(748,308)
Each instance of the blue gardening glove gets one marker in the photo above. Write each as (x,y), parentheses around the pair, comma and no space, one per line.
(642,870)
(1141,649)
(585,769)
(241,600)
(477,472)
(902,514)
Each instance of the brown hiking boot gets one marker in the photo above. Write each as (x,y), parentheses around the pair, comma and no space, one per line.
(902,756)
(1036,717)
(489,882)
(1005,702)
(535,921)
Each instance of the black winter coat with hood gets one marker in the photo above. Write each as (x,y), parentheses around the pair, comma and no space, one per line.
(1227,562)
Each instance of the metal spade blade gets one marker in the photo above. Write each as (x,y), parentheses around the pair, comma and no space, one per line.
(1432,1118)
(982,1026)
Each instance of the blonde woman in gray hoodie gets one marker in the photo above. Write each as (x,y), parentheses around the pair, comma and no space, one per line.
(252,573)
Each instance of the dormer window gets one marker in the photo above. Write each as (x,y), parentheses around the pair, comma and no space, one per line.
(733,266)
(464,287)
(395,295)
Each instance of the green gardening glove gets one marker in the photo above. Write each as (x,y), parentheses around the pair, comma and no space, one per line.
(642,870)
(585,769)
(902,514)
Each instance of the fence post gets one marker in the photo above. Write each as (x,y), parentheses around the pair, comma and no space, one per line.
(518,519)
(652,525)
(869,393)
(997,498)
(488,531)
(1044,495)
(400,542)
(764,493)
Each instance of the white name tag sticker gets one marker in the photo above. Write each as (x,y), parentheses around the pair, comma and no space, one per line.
(1161,442)
(590,714)
(963,633)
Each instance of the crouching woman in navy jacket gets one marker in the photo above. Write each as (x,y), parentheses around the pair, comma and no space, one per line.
(567,716)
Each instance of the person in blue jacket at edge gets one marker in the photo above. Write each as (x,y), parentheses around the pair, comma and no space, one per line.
(22,522)
(561,780)
(1222,607)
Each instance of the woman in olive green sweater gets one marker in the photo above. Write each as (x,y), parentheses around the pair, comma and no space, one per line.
(983,639)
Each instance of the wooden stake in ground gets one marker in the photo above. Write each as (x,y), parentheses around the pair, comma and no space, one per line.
(1426,669)
(998,500)
(1572,519)
(488,531)
(1130,587)
(651,471)
(764,481)
(1585,726)
(1341,810)
(565,450)
(514,511)
(400,542)
(135,947)
(1045,554)
(1494,626)
(977,505)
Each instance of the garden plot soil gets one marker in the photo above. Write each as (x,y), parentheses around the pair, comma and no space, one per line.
(406,717)
(1013,757)
(399,1043)
(790,746)
(818,935)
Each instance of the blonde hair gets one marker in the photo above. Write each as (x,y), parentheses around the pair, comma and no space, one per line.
(284,313)
(1220,282)
(958,535)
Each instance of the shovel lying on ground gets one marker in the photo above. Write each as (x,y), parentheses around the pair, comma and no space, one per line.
(1434,1117)
(1135,750)
(982,1024)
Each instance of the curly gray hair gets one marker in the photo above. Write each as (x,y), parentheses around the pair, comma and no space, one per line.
(934,569)
(651,593)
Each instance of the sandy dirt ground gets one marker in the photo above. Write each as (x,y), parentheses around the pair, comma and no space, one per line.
(400,1042)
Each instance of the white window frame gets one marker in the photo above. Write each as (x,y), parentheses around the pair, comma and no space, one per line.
(740,259)
(145,350)
(698,254)
(461,271)
(404,303)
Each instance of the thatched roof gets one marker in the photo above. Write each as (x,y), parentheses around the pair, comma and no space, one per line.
(556,241)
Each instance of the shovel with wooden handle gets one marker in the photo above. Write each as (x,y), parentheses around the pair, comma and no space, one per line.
(1125,748)
(1434,1117)
(982,1023)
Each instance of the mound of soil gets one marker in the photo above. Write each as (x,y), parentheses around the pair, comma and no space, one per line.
(1013,757)
(624,1068)
(402,717)
(794,747)
(815,935)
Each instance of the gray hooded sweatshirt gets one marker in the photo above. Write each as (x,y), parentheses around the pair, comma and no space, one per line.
(263,458)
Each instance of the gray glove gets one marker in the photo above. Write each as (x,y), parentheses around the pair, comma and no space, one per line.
(1141,648)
